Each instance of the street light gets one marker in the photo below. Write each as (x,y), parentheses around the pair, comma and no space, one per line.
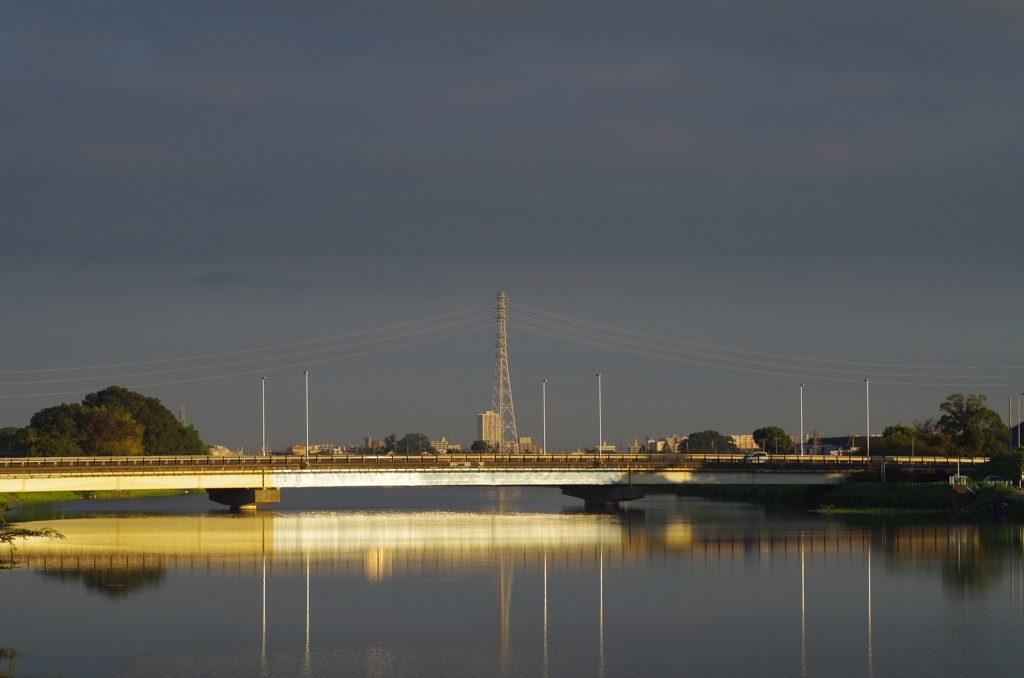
(801,420)
(544,410)
(263,448)
(307,415)
(867,396)
(600,422)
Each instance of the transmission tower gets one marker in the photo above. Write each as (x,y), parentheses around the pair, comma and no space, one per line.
(501,400)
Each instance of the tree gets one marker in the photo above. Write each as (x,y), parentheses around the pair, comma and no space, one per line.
(480,447)
(390,443)
(773,439)
(114,421)
(163,434)
(415,443)
(110,434)
(974,428)
(712,441)
(52,432)
(8,437)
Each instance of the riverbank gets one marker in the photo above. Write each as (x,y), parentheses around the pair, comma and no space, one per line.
(855,496)
(33,497)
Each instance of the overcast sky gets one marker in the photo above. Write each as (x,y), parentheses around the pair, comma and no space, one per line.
(839,181)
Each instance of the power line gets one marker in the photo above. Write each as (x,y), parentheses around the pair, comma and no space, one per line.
(734,368)
(759,353)
(748,361)
(251,350)
(267,369)
(246,362)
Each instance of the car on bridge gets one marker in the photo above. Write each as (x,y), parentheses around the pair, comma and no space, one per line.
(756,458)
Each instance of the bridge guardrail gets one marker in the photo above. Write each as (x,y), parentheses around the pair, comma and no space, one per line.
(447,461)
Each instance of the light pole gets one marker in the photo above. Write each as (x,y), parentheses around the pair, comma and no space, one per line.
(307,414)
(600,421)
(867,400)
(544,412)
(263,448)
(801,420)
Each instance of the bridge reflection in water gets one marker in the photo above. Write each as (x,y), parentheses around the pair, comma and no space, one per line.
(118,554)
(379,546)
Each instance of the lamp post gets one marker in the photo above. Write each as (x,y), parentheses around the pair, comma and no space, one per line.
(600,422)
(307,414)
(544,413)
(867,397)
(263,448)
(801,420)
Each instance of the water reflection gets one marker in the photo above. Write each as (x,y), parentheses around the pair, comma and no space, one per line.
(417,593)
(116,555)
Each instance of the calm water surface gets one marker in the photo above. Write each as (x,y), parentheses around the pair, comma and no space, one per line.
(477,582)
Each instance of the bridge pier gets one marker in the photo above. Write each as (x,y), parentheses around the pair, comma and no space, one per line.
(601,496)
(245,499)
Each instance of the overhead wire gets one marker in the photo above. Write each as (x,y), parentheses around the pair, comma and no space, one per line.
(251,350)
(268,369)
(643,344)
(735,368)
(245,362)
(751,352)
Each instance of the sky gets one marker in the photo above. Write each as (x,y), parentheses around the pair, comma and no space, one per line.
(196,193)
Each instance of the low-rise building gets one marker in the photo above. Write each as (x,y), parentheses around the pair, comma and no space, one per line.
(444,447)
(744,442)
(527,446)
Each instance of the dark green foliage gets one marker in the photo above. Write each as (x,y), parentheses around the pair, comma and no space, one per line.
(480,447)
(773,440)
(111,422)
(1007,465)
(414,443)
(974,428)
(8,437)
(163,434)
(711,441)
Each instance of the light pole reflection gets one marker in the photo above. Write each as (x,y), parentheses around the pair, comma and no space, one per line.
(263,641)
(307,614)
(545,615)
(871,657)
(803,612)
(600,617)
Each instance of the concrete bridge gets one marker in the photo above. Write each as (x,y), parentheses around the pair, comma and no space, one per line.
(245,482)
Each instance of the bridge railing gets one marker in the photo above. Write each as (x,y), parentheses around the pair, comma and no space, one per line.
(249,463)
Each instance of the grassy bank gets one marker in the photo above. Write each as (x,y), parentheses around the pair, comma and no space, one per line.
(855,496)
(26,497)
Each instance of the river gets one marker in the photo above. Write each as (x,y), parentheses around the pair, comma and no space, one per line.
(507,582)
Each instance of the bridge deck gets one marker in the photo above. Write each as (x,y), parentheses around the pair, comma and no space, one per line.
(208,472)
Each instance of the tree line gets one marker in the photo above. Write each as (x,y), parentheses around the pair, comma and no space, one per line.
(965,428)
(112,422)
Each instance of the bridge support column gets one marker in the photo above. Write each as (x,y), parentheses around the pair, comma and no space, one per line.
(245,499)
(603,495)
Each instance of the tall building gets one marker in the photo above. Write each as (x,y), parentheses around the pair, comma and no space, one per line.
(488,427)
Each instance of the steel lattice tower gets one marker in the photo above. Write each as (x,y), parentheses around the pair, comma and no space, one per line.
(501,400)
